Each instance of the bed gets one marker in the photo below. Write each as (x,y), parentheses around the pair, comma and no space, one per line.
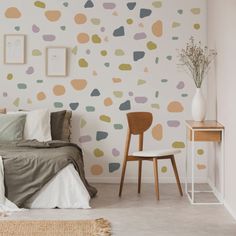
(45,174)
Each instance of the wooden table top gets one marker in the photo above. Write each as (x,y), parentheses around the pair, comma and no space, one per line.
(207,124)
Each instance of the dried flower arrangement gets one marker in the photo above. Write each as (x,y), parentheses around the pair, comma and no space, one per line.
(196,59)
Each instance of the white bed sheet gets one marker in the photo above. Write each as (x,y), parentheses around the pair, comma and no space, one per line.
(65,190)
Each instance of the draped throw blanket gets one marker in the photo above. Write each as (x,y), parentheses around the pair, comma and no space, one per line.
(5,205)
(29,165)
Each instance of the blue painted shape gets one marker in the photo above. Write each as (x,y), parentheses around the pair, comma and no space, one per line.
(138,55)
(88,4)
(95,93)
(131,5)
(119,31)
(113,167)
(101,135)
(144,12)
(74,105)
(125,106)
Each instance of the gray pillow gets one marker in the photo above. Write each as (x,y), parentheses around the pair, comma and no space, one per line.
(57,122)
(12,127)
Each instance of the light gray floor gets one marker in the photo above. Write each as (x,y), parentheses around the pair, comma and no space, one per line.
(143,215)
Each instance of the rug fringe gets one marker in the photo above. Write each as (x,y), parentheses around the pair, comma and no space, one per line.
(103,227)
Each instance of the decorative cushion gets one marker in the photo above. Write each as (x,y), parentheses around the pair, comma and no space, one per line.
(3,110)
(57,123)
(37,125)
(66,127)
(156,153)
(12,127)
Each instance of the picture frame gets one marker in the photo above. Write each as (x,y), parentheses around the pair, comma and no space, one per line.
(56,62)
(14,49)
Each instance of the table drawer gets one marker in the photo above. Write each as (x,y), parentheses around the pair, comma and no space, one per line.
(205,136)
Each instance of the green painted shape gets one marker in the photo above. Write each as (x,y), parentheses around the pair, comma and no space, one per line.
(151,45)
(155,106)
(90,108)
(105,118)
(164,80)
(175,38)
(39,81)
(118,94)
(82,123)
(196,11)
(184,95)
(119,52)
(96,21)
(96,38)
(74,50)
(157,4)
(129,21)
(21,86)
(36,52)
(104,53)
(118,126)
(125,67)
(98,152)
(39,4)
(157,94)
(10,76)
(175,24)
(58,104)
(196,26)
(17,28)
(157,60)
(16,102)
(141,82)
(83,63)
(200,151)
(178,144)
(164,169)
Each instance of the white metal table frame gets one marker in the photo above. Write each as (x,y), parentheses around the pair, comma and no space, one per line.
(222,157)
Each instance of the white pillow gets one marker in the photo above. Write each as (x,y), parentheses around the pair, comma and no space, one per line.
(37,125)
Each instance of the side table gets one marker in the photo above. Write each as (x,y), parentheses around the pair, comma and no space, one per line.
(206,131)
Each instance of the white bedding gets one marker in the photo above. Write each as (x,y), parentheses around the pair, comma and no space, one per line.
(65,190)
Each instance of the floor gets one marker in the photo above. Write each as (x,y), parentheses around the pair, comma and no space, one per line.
(141,215)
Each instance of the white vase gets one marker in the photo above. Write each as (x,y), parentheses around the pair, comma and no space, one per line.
(198,106)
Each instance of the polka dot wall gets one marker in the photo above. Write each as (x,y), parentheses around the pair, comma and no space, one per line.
(122,58)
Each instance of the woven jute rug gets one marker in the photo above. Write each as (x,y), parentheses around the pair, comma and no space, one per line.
(98,227)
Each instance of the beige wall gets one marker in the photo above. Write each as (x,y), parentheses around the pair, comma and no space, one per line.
(97,89)
(222,81)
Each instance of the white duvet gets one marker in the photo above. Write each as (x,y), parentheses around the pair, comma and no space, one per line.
(65,190)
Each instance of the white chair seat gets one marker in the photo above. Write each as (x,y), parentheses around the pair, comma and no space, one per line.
(156,153)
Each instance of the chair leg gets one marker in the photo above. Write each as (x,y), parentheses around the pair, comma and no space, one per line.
(155,168)
(176,175)
(122,177)
(139,175)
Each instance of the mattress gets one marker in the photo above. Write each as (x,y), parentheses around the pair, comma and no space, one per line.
(65,190)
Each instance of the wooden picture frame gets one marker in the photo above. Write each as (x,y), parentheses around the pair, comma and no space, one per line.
(56,62)
(14,49)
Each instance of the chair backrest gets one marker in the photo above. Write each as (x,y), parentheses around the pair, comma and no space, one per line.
(139,122)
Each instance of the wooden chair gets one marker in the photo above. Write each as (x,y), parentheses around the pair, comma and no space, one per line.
(138,123)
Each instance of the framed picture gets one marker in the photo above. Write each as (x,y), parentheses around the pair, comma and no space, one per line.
(14,49)
(56,61)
